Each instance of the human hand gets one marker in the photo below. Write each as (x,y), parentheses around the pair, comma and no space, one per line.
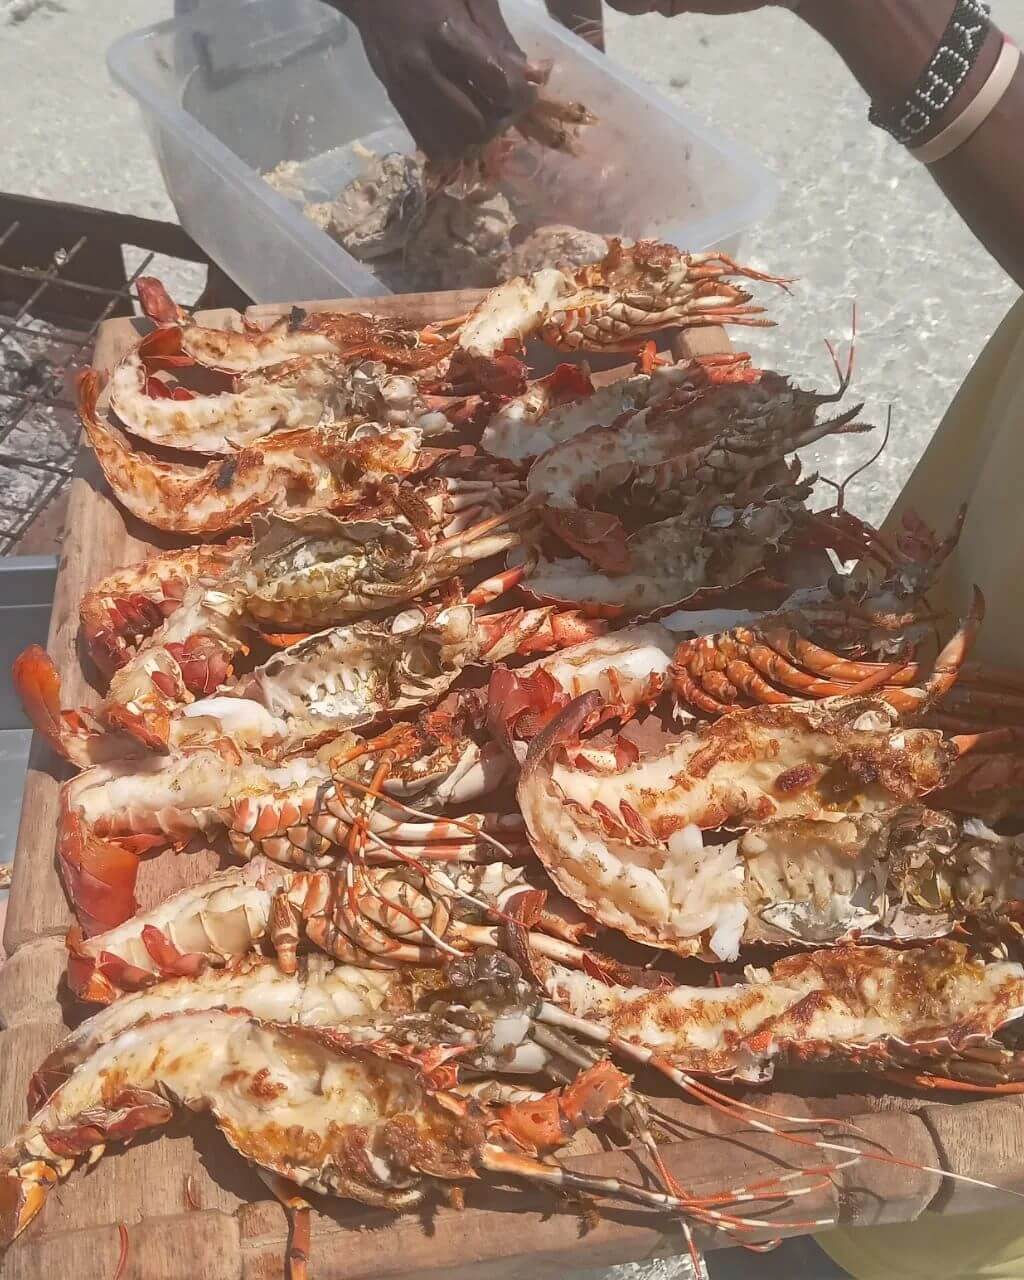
(451,68)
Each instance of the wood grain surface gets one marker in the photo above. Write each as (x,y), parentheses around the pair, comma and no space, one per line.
(237,1233)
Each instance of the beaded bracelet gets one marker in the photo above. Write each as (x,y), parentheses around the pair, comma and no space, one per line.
(958,50)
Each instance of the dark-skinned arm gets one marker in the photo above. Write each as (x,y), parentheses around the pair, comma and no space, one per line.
(450,67)
(887,44)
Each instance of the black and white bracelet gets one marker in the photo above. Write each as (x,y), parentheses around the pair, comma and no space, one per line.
(957,53)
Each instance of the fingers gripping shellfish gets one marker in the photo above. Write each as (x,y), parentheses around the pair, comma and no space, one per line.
(620,832)
(300,1102)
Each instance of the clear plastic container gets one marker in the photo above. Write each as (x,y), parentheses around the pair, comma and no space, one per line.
(231,92)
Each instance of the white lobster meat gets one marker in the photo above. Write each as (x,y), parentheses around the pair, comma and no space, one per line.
(620,832)
(869,1008)
(319,993)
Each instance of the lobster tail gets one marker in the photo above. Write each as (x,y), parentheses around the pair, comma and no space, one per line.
(157,303)
(23,1192)
(99,876)
(38,684)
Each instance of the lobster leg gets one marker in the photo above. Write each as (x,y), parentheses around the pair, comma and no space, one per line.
(817,661)
(297,1212)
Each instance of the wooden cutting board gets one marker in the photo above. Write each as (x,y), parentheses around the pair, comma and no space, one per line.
(237,1233)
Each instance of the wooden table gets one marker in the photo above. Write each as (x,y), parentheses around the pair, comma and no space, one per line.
(237,1233)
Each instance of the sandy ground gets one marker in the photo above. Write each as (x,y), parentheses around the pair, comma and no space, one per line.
(856,220)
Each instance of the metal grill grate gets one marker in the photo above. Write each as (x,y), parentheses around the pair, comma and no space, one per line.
(62,273)
(38,365)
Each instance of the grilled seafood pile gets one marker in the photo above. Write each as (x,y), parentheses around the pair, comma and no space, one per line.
(524,789)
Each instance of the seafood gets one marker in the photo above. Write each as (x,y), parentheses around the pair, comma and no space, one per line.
(309,469)
(554,122)
(629,668)
(348,676)
(714,673)
(323,570)
(193,651)
(308,693)
(715,437)
(428,1004)
(218,422)
(556,243)
(347,335)
(614,304)
(377,212)
(379,917)
(565,403)
(128,606)
(916,1015)
(902,876)
(620,832)
(303,392)
(988,785)
(441,885)
(700,549)
(304,1103)
(785,648)
(350,799)
(296,811)
(513,432)
(319,993)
